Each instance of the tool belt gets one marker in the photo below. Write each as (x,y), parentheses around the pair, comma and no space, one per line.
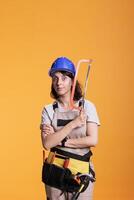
(63,170)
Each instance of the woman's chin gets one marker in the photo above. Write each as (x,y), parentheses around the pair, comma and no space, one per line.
(60,93)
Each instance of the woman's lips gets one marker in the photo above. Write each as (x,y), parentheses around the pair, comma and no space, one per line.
(60,88)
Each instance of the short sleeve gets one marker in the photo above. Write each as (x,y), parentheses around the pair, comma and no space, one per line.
(91,112)
(47,115)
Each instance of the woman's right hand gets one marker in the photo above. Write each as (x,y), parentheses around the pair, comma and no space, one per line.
(80,120)
(47,129)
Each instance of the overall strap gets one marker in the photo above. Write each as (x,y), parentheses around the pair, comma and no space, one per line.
(55,105)
(81,102)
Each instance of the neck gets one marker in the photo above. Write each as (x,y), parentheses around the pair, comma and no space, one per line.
(64,101)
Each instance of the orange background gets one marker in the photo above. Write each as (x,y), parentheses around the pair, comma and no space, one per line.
(32,34)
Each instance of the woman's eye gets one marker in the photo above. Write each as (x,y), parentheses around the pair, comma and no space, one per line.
(54,78)
(64,78)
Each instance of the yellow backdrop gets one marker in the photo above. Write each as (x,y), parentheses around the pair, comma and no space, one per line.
(32,34)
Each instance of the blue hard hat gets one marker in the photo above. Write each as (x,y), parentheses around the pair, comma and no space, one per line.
(62,64)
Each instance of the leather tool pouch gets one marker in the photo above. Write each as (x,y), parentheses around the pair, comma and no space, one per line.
(58,177)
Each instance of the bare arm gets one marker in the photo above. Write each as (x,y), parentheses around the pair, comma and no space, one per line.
(89,141)
(50,138)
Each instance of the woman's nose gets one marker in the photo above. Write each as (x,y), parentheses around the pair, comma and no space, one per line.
(59,81)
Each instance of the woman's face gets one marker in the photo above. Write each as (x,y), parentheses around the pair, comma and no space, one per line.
(61,84)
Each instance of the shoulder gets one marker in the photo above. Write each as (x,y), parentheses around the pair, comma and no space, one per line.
(47,113)
(48,107)
(91,112)
(89,104)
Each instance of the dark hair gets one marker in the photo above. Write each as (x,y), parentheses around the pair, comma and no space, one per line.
(78,88)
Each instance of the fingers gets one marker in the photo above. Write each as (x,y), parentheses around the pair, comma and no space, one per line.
(80,120)
(83,116)
(81,108)
(47,129)
(47,133)
(82,112)
(46,126)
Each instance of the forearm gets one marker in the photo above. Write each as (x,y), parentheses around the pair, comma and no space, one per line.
(87,141)
(54,139)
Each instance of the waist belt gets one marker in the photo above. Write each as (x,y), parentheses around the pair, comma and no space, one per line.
(76,163)
(85,157)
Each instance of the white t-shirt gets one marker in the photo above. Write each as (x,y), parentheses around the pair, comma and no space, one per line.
(92,116)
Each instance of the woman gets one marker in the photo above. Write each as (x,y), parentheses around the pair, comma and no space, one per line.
(70,131)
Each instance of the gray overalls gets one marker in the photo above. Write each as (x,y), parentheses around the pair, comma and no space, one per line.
(60,119)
